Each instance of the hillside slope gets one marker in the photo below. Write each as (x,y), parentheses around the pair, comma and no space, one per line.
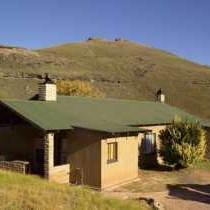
(121,69)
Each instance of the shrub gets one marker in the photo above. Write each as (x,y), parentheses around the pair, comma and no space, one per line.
(182,143)
(78,88)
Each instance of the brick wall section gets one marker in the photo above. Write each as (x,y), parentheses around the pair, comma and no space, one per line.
(48,92)
(16,166)
(48,154)
(54,173)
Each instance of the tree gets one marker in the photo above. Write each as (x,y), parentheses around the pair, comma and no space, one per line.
(183,143)
(78,88)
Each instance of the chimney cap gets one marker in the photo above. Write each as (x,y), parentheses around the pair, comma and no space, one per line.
(48,80)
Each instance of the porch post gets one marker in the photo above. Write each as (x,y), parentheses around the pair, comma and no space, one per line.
(48,154)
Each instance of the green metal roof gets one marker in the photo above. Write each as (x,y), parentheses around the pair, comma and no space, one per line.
(109,115)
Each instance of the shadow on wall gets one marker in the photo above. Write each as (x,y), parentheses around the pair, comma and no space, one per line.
(147,160)
(191,192)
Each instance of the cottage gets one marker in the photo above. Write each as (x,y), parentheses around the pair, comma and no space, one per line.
(82,140)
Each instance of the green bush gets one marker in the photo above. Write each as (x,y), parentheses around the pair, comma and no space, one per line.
(183,143)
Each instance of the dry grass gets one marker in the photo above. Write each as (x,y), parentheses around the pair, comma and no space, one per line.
(18,192)
(78,88)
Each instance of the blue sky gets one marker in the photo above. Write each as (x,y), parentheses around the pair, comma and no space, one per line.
(178,26)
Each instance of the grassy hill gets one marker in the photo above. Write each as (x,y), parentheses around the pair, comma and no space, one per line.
(32,193)
(121,69)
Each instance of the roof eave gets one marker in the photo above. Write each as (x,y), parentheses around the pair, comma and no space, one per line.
(22,117)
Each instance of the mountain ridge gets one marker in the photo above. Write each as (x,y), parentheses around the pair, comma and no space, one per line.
(121,69)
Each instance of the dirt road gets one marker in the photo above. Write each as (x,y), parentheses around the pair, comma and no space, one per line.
(178,198)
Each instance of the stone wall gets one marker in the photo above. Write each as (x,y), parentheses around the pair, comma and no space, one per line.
(47,92)
(48,154)
(16,166)
(54,173)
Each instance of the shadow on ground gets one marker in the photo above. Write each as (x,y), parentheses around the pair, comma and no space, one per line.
(191,192)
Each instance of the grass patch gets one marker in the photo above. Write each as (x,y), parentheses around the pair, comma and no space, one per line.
(205,164)
(20,192)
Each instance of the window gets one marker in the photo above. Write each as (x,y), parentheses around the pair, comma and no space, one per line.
(112,152)
(60,149)
(149,143)
(60,154)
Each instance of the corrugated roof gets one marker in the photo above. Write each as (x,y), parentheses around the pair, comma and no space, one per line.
(109,115)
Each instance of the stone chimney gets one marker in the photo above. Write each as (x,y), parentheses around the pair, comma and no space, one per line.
(160,96)
(48,90)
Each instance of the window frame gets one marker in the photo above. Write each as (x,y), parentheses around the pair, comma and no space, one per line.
(112,153)
(151,146)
